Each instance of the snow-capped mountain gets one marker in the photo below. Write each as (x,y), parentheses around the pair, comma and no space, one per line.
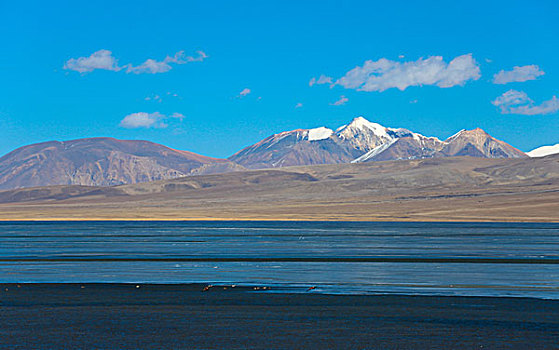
(364,135)
(544,151)
(363,141)
(317,146)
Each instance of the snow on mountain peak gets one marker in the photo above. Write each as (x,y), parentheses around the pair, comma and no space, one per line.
(544,151)
(320,133)
(361,124)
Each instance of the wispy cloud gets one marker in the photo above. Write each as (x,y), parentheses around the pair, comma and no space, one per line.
(323,79)
(342,101)
(518,74)
(148,120)
(104,60)
(155,98)
(518,102)
(385,74)
(159,98)
(244,92)
(152,66)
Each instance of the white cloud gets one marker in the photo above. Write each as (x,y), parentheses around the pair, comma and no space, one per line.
(323,79)
(244,92)
(102,59)
(518,102)
(299,105)
(148,120)
(385,74)
(342,101)
(152,66)
(518,74)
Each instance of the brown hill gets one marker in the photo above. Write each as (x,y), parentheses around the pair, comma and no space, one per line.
(101,162)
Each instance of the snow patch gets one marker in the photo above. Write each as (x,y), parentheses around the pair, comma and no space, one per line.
(544,151)
(321,133)
(375,151)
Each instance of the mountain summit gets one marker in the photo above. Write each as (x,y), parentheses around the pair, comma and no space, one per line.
(478,143)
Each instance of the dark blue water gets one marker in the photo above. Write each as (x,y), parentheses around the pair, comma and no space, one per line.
(495,259)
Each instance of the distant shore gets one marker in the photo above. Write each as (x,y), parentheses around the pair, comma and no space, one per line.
(256,219)
(184,316)
(429,190)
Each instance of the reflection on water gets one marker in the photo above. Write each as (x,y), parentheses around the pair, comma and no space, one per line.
(494,259)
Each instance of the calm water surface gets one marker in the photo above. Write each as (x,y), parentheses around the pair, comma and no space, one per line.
(496,259)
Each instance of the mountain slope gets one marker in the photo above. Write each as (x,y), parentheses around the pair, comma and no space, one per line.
(544,151)
(296,147)
(101,162)
(415,146)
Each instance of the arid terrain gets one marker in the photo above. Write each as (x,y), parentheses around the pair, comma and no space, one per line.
(438,189)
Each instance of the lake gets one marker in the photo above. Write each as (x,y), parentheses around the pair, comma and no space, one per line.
(466,259)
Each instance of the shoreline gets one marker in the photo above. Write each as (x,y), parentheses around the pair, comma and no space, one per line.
(251,289)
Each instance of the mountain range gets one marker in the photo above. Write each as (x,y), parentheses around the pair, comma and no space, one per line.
(107,161)
(364,141)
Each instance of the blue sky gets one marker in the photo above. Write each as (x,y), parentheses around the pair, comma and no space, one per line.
(271,50)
